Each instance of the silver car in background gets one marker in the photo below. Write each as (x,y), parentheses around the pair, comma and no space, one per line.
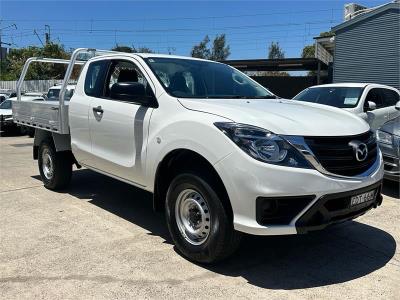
(389,142)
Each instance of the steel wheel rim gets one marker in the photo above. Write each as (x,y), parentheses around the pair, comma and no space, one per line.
(47,164)
(192,216)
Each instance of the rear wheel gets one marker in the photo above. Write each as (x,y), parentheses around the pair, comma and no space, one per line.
(55,167)
(31,132)
(198,221)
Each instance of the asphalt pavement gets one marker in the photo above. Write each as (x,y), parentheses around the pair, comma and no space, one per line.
(100,239)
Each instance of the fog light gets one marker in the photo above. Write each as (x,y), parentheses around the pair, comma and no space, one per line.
(280,210)
(268,206)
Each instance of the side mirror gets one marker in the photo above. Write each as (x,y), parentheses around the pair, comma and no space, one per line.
(397,106)
(134,92)
(371,105)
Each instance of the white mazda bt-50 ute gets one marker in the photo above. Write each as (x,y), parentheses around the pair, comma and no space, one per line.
(221,154)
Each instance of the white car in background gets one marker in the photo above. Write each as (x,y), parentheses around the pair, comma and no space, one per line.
(375,103)
(54,92)
(5,94)
(30,96)
(6,118)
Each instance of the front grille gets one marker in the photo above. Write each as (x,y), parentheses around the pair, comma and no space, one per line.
(338,157)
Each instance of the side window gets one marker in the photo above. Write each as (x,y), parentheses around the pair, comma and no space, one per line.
(68,94)
(125,71)
(189,81)
(390,97)
(375,95)
(94,81)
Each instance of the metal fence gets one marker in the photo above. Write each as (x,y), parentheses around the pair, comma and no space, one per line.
(31,85)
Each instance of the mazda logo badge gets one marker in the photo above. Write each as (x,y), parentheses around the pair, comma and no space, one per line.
(360,150)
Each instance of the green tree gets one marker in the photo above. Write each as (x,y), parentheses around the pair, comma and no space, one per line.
(142,50)
(121,48)
(127,49)
(201,50)
(326,34)
(308,51)
(275,51)
(219,50)
(12,67)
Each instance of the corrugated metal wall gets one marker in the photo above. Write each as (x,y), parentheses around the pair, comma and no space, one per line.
(369,50)
(30,85)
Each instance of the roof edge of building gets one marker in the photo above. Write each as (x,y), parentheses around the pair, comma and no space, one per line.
(391,5)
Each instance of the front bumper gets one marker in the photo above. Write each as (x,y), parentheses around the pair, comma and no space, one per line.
(247,180)
(335,208)
(391,159)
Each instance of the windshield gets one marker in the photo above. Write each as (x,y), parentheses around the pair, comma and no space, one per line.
(342,97)
(6,105)
(186,78)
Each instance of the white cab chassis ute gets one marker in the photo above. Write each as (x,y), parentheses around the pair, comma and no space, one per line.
(219,152)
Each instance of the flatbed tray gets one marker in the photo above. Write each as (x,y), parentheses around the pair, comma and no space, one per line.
(46,115)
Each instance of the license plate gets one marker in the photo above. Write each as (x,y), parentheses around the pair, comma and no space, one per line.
(362,198)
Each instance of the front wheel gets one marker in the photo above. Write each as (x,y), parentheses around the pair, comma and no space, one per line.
(198,221)
(55,167)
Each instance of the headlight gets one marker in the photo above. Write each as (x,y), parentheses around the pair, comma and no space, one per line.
(384,137)
(263,145)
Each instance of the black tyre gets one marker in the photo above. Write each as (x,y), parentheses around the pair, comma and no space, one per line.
(55,167)
(31,132)
(22,130)
(198,221)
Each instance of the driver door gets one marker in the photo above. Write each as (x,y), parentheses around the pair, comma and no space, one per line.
(119,128)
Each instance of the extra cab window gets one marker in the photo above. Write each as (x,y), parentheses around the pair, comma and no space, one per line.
(94,81)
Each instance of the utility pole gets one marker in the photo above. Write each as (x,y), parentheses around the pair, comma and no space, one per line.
(47,34)
(3,43)
(35,33)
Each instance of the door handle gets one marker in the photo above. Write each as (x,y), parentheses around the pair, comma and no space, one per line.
(98,109)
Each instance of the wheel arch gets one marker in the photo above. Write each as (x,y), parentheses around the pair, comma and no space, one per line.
(62,142)
(185,160)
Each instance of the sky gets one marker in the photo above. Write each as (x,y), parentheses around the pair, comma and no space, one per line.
(172,26)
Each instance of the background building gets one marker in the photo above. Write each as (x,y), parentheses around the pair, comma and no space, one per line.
(367,46)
